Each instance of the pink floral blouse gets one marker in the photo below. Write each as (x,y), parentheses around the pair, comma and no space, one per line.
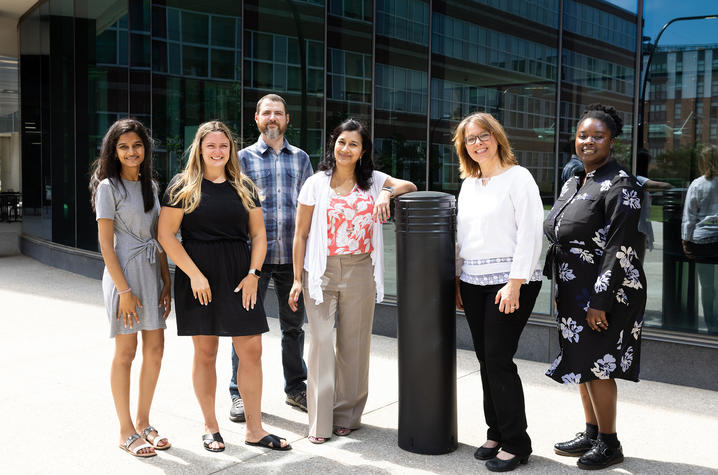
(350,223)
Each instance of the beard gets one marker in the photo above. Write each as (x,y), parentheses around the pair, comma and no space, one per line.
(273,133)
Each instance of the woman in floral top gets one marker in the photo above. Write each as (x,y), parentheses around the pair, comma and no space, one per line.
(601,297)
(338,266)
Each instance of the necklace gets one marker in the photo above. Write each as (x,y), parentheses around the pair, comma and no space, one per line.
(344,188)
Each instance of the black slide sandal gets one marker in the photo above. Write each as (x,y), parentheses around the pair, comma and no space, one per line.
(207,439)
(270,441)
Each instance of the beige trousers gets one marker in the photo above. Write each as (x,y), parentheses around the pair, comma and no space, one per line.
(338,379)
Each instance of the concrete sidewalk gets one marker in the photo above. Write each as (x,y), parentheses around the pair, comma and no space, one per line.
(59,416)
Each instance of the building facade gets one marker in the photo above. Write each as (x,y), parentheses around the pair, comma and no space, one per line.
(409,69)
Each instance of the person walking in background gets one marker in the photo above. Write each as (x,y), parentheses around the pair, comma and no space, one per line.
(136,279)
(574,166)
(498,247)
(699,232)
(219,212)
(339,266)
(601,287)
(279,170)
(643,159)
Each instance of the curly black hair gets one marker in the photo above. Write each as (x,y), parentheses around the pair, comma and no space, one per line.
(606,114)
(108,165)
(364,166)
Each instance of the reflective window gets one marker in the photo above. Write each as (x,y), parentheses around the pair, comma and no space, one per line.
(406,20)
(284,44)
(35,143)
(196,76)
(62,131)
(349,62)
(485,61)
(677,159)
(410,70)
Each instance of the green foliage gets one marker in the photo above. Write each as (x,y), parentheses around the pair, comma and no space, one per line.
(678,167)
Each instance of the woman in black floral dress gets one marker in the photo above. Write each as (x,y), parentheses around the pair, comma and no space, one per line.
(601,287)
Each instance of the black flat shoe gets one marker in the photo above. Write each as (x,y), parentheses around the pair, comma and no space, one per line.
(575,447)
(486,453)
(498,465)
(600,456)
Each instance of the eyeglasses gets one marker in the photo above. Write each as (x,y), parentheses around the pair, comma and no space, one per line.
(485,137)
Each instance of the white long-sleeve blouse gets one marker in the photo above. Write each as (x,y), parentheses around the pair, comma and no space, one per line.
(499,229)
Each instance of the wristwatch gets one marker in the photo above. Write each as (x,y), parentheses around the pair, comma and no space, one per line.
(389,189)
(255,272)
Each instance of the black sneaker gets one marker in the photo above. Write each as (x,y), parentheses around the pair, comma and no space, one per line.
(236,412)
(298,399)
(600,456)
(575,447)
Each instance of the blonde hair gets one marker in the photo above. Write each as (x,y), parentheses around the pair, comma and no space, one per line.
(187,189)
(708,161)
(467,166)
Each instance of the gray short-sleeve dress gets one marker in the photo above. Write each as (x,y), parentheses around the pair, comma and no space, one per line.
(136,249)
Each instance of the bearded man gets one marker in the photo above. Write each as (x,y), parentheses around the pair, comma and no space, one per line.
(279,170)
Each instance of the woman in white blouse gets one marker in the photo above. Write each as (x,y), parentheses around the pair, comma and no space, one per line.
(499,229)
(338,264)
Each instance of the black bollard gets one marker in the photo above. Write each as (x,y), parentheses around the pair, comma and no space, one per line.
(426,329)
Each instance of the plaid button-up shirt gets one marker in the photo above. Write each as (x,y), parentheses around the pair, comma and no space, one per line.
(279,177)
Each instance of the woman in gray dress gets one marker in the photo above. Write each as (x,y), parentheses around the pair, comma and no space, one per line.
(136,280)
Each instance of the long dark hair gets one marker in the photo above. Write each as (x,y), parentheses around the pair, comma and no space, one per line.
(364,166)
(108,165)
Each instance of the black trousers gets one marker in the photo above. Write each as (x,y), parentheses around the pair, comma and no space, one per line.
(290,322)
(496,338)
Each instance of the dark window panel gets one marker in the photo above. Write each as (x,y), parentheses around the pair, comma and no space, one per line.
(106,47)
(223,31)
(195,28)
(194,61)
(139,15)
(159,57)
(173,24)
(223,64)
(140,48)
(159,22)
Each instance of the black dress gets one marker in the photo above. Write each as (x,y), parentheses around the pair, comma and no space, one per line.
(216,237)
(593,259)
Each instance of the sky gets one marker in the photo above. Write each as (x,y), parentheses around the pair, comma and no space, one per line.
(658,12)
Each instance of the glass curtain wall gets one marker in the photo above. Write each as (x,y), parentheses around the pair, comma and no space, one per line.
(401,88)
(196,74)
(410,70)
(350,57)
(597,65)
(102,62)
(678,156)
(35,110)
(401,101)
(284,54)
(488,56)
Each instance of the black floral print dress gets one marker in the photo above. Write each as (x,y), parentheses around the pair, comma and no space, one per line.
(593,260)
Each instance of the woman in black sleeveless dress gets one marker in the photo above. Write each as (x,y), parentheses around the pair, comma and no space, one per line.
(219,212)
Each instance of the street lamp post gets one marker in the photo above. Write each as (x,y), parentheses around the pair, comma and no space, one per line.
(642,97)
